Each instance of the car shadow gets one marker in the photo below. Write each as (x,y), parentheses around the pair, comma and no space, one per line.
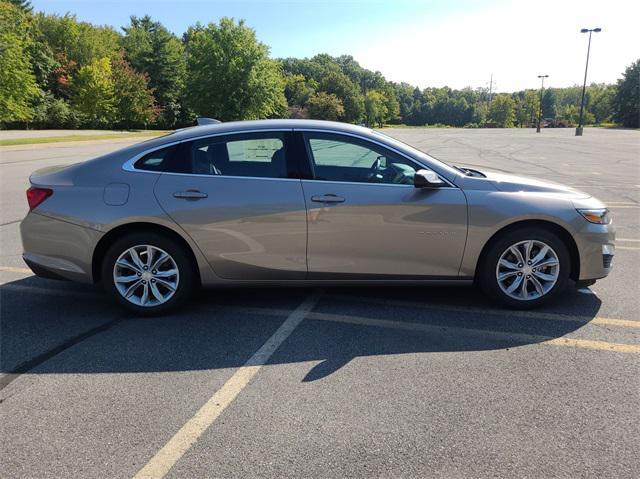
(49,327)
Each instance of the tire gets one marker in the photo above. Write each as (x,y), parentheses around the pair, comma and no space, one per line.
(543,280)
(165,291)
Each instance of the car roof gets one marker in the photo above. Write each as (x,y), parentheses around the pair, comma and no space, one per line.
(251,125)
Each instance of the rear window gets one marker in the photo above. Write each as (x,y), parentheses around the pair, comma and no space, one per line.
(154,161)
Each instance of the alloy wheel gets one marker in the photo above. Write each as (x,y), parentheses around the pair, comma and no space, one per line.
(146,275)
(527,270)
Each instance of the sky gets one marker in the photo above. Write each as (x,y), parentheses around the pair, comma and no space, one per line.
(428,43)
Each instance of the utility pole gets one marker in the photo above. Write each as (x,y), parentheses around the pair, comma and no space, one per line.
(584,85)
(540,108)
(490,90)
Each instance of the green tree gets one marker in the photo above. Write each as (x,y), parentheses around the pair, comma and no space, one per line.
(17,82)
(549,103)
(626,103)
(601,104)
(92,90)
(503,111)
(298,89)
(24,5)
(375,107)
(230,75)
(527,107)
(80,42)
(134,103)
(152,49)
(325,106)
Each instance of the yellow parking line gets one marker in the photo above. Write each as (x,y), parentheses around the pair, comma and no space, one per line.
(589,344)
(495,312)
(179,444)
(480,333)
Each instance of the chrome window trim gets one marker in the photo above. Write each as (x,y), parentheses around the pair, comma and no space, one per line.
(128,165)
(379,143)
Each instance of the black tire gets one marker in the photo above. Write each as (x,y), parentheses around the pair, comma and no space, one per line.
(185,285)
(487,272)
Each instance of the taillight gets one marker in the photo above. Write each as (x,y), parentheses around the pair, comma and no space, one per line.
(35,196)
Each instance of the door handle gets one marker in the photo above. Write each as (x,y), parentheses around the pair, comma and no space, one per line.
(190,195)
(330,198)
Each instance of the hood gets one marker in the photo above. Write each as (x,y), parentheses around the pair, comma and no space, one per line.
(513,183)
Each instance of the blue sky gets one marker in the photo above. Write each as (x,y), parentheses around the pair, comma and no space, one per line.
(428,42)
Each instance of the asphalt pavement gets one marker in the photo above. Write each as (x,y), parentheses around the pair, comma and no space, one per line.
(343,382)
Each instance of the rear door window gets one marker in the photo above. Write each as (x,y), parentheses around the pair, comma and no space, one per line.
(249,155)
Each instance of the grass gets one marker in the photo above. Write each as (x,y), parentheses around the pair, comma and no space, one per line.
(58,139)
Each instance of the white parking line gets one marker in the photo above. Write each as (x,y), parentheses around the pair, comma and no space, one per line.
(629,240)
(179,444)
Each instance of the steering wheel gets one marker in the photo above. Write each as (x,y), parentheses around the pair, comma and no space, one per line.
(376,171)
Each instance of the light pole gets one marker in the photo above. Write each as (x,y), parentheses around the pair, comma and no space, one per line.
(540,107)
(584,85)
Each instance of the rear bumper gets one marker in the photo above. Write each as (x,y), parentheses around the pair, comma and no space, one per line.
(596,246)
(57,249)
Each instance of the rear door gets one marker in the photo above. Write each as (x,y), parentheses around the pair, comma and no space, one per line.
(238,198)
(368,221)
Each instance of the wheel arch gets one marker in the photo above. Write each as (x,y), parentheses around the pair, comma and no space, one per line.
(550,226)
(122,230)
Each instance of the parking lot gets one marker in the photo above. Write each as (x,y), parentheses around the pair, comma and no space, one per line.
(340,382)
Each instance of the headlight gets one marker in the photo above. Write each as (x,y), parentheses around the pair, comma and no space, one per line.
(599,215)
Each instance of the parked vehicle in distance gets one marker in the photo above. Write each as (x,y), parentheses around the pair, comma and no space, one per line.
(281,202)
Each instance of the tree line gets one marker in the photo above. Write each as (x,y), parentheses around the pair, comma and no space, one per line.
(58,72)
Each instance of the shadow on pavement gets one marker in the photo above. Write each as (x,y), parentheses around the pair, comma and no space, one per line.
(55,327)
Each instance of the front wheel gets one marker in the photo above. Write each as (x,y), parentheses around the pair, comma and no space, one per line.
(525,268)
(147,273)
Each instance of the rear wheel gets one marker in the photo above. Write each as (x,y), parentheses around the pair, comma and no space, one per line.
(525,268)
(147,273)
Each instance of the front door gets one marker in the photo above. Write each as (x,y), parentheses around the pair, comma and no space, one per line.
(239,204)
(366,219)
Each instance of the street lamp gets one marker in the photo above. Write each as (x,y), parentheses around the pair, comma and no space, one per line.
(540,106)
(584,86)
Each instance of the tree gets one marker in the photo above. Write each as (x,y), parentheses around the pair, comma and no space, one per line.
(134,103)
(298,90)
(150,48)
(601,104)
(376,111)
(80,42)
(527,107)
(626,103)
(549,103)
(24,5)
(325,106)
(503,111)
(93,92)
(17,81)
(230,75)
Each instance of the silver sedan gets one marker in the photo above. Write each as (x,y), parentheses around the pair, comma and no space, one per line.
(281,202)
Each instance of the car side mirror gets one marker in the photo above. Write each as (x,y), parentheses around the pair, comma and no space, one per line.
(427,179)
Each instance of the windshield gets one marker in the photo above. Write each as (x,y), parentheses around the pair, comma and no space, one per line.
(420,155)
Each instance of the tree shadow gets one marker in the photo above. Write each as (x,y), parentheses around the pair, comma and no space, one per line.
(49,327)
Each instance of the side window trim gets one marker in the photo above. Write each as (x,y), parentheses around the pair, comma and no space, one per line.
(294,166)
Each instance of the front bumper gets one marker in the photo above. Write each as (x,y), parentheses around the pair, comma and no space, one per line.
(596,247)
(54,248)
